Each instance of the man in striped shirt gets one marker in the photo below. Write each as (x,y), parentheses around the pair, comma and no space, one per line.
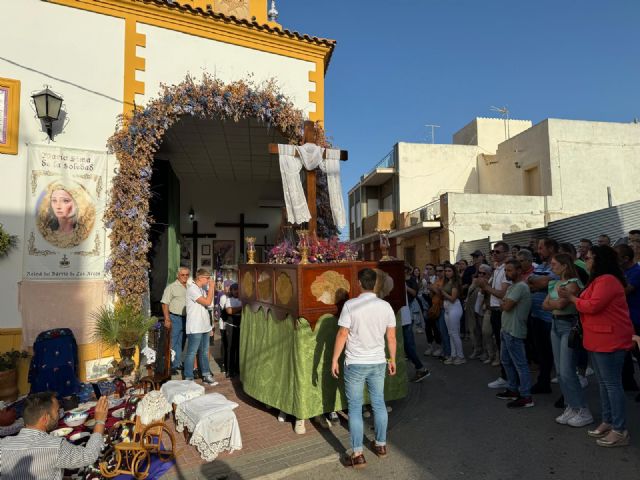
(34,454)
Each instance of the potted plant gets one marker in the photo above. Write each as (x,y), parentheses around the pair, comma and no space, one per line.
(122,326)
(9,375)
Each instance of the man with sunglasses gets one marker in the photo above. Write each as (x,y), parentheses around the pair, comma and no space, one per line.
(174,310)
(497,288)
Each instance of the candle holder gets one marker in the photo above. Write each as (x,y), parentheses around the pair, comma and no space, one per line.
(384,245)
(303,245)
(251,249)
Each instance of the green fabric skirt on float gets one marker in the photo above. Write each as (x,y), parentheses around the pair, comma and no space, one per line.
(286,365)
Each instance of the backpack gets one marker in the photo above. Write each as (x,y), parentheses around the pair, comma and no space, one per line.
(54,366)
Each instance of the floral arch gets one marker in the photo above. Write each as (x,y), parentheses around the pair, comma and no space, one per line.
(139,137)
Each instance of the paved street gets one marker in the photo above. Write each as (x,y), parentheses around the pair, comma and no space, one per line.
(449,427)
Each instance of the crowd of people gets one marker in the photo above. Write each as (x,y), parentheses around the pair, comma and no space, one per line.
(548,308)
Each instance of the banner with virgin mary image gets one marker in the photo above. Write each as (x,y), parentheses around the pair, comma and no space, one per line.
(64,234)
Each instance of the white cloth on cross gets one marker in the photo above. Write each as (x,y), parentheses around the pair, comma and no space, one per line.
(310,156)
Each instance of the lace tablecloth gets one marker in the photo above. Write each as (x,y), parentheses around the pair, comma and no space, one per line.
(213,424)
(178,391)
(153,407)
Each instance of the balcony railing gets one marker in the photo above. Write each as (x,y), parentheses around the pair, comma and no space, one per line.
(381,220)
(426,213)
(389,161)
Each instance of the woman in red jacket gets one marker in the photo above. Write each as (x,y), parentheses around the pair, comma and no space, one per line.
(607,336)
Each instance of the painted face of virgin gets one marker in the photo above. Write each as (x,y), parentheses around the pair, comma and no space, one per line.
(62,204)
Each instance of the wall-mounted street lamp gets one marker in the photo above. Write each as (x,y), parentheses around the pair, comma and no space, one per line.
(48,106)
(192,214)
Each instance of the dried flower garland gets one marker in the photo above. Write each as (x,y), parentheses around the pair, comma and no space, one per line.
(140,135)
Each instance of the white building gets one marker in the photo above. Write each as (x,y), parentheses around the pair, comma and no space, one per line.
(497,177)
(104,58)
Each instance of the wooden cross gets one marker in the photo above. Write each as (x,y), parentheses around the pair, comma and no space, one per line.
(242,225)
(310,136)
(195,236)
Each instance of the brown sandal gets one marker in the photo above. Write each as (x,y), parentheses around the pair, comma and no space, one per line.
(356,461)
(600,431)
(380,450)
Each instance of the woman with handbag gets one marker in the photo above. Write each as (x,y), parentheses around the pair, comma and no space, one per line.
(607,334)
(565,319)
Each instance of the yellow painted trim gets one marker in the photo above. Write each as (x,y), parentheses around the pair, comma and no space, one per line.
(193,24)
(11,331)
(258,9)
(132,63)
(207,27)
(317,95)
(10,147)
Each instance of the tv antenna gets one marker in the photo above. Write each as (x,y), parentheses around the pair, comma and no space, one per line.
(433,132)
(504,112)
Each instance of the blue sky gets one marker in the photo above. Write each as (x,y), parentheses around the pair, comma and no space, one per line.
(401,64)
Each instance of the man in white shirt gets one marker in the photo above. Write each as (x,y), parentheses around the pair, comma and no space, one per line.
(497,288)
(363,323)
(199,325)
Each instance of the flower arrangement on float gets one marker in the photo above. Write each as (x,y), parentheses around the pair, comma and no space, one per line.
(330,250)
(140,134)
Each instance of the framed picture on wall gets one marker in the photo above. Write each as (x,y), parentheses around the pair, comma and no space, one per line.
(226,249)
(9,115)
(205,262)
(205,250)
(186,252)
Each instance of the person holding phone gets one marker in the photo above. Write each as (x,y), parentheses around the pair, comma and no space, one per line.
(199,297)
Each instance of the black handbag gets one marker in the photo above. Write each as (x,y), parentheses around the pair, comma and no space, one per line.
(575,336)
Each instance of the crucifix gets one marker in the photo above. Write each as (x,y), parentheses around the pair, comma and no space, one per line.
(242,225)
(310,136)
(195,235)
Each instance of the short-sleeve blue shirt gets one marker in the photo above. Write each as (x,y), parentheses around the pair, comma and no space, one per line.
(633,299)
(537,298)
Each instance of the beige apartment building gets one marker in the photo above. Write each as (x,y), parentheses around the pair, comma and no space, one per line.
(498,176)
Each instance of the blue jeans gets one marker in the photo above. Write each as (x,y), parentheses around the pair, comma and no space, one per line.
(177,336)
(197,342)
(355,378)
(444,333)
(410,346)
(514,360)
(608,368)
(565,361)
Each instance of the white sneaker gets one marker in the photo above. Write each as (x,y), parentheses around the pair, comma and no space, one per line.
(300,428)
(554,380)
(498,383)
(495,363)
(282,417)
(436,351)
(581,418)
(459,361)
(589,371)
(584,382)
(567,415)
(429,350)
(448,361)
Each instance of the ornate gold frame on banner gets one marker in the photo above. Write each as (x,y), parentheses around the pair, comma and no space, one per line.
(10,112)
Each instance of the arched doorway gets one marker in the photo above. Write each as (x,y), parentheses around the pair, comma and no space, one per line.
(226,126)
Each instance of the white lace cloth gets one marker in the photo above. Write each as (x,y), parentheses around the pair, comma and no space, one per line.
(213,424)
(149,354)
(153,407)
(311,156)
(178,391)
